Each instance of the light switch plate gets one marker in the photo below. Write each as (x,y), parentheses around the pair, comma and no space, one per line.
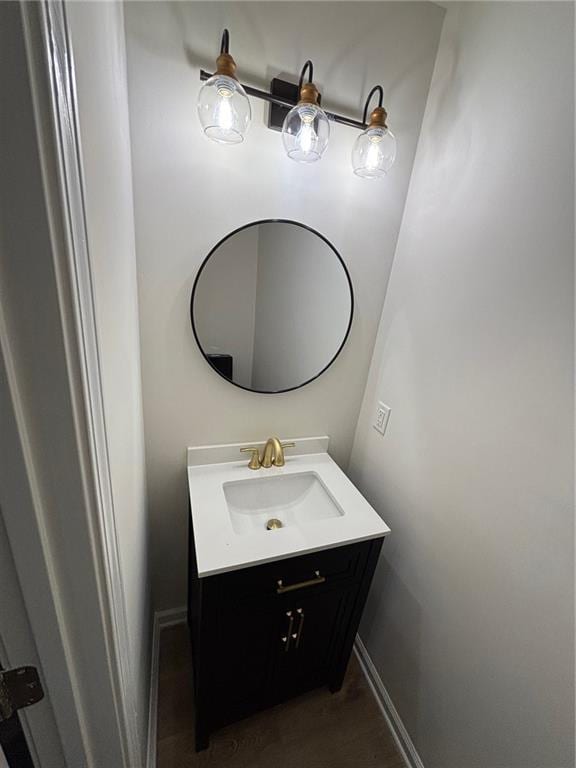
(382,416)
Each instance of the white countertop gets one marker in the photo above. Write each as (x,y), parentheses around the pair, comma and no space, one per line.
(219,548)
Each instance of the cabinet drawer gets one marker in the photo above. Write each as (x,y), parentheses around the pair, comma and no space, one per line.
(314,572)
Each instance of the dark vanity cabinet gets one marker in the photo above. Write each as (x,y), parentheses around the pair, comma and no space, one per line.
(265,633)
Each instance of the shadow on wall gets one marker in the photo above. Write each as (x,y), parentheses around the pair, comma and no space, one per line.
(393,612)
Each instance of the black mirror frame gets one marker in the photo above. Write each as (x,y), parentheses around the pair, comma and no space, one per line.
(195,286)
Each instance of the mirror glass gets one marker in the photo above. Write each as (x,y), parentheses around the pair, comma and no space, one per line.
(272,306)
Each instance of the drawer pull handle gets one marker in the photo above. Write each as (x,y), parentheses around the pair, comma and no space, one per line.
(301,584)
(300,612)
(290,627)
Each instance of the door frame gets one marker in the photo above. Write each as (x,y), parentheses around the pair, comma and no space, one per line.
(80,624)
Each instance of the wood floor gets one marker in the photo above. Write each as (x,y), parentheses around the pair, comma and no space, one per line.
(318,730)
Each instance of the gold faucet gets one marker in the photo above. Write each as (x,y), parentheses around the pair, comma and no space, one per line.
(273,454)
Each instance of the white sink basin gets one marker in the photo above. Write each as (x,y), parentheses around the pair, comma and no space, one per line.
(295,499)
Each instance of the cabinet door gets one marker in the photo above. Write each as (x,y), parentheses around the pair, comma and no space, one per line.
(243,658)
(306,661)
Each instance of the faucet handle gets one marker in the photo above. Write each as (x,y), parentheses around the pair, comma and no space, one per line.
(279,459)
(254,462)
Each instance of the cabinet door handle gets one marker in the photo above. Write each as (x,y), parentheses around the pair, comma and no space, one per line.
(281,589)
(290,627)
(300,612)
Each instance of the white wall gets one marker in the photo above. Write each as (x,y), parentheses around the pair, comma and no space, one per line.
(189,192)
(470,619)
(97,36)
(225,301)
(303,307)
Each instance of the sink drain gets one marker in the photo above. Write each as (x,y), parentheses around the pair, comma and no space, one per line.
(273,524)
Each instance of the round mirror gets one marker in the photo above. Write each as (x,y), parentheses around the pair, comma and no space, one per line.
(272,306)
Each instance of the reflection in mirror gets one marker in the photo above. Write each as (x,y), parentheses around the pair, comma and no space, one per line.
(272,306)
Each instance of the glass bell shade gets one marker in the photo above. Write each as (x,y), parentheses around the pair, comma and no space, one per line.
(224,109)
(374,152)
(305,133)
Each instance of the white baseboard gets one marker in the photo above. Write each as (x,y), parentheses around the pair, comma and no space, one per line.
(162,619)
(397,727)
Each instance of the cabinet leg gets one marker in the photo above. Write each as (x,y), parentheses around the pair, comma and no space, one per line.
(202,739)
(336,684)
(202,734)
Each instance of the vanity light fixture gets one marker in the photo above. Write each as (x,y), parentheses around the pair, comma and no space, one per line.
(375,149)
(225,113)
(223,107)
(306,129)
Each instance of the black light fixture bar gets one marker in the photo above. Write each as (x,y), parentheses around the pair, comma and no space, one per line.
(271,99)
